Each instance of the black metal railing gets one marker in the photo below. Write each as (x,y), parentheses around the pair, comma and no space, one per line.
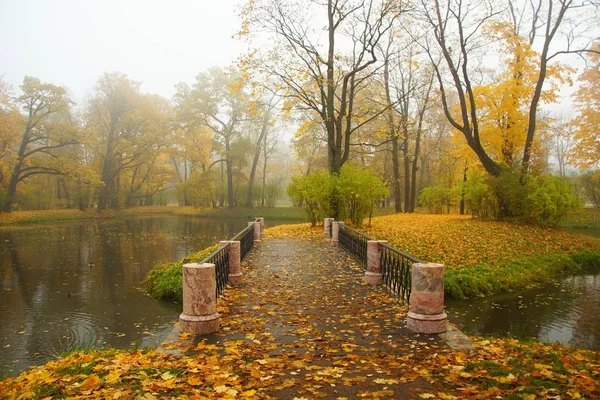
(246,238)
(396,269)
(355,243)
(220,258)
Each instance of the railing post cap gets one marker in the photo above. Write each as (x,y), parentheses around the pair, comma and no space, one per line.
(196,265)
(428,265)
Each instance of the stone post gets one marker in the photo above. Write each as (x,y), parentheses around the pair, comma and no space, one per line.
(261,221)
(256,228)
(199,299)
(327,227)
(235,267)
(335,233)
(426,314)
(374,275)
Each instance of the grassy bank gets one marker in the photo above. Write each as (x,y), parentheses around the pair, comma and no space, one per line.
(487,257)
(163,282)
(588,218)
(43,216)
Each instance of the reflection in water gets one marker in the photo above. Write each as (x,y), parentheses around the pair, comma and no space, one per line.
(564,312)
(76,285)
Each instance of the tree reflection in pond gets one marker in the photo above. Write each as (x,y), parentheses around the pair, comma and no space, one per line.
(565,312)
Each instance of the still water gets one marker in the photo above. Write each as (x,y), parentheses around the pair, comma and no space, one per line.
(565,311)
(77,285)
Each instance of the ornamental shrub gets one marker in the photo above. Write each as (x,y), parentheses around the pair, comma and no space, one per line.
(315,193)
(357,190)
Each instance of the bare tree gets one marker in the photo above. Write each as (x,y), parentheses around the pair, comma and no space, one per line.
(327,78)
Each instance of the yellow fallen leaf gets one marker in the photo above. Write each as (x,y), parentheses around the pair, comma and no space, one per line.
(112,377)
(167,375)
(506,379)
(90,383)
(382,381)
(195,380)
(427,396)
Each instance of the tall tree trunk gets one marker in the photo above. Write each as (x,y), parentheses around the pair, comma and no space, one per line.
(394,138)
(230,197)
(259,144)
(413,179)
(463,190)
(396,170)
(186,201)
(250,195)
(264,174)
(12,188)
(222,194)
(105,195)
(407,174)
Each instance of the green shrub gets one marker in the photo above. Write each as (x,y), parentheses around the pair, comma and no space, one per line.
(590,182)
(163,282)
(437,199)
(315,193)
(358,189)
(538,199)
(549,199)
(479,197)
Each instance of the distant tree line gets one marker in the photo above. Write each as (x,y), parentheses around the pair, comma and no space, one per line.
(215,144)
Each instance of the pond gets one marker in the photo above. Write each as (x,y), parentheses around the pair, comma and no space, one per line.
(565,311)
(76,285)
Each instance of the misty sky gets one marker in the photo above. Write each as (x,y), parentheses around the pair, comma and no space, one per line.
(160,43)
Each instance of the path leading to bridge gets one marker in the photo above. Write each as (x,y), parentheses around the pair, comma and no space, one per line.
(303,324)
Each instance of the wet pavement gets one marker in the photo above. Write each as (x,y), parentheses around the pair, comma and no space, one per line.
(305,315)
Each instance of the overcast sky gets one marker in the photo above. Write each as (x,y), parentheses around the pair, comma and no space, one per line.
(160,43)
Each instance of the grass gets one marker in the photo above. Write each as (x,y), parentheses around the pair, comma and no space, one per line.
(163,282)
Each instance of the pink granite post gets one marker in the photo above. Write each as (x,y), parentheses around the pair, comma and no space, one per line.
(335,233)
(374,275)
(235,268)
(426,313)
(256,227)
(199,299)
(261,221)
(327,226)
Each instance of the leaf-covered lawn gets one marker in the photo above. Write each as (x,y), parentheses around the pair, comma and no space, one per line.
(464,242)
(487,257)
(504,368)
(243,369)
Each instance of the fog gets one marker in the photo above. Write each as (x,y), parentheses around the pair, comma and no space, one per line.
(71,42)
